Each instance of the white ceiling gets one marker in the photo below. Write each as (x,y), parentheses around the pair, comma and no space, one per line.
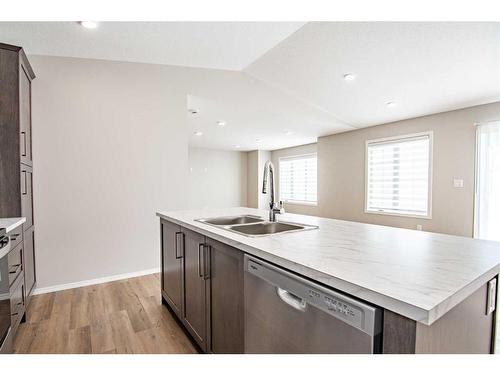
(269,121)
(290,75)
(216,45)
(424,67)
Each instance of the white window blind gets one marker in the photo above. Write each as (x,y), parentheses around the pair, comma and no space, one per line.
(298,179)
(399,175)
(487,215)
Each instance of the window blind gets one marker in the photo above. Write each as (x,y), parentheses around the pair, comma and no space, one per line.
(298,179)
(398,175)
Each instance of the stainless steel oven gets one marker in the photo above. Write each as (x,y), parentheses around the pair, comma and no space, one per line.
(5,339)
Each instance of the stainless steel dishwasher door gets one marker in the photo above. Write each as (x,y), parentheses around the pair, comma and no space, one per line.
(285,313)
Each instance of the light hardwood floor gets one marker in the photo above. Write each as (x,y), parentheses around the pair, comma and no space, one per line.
(123,316)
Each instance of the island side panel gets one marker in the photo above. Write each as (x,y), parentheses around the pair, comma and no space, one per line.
(399,334)
(464,329)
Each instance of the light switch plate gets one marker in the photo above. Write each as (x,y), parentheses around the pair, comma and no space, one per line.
(458,183)
(492,296)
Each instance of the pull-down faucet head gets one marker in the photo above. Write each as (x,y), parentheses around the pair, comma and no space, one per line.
(268,172)
(274,208)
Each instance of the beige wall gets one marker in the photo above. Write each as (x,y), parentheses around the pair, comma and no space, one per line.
(341,170)
(294,151)
(217,179)
(256,162)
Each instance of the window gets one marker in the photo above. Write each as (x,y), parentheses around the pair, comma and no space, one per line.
(298,179)
(398,175)
(487,213)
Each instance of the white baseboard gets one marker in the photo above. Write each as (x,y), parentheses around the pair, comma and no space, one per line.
(101,280)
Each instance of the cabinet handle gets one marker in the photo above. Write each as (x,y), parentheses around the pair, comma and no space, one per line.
(179,244)
(25,183)
(206,262)
(14,268)
(200,250)
(24,143)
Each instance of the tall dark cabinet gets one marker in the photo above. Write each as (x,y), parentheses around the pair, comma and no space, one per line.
(16,159)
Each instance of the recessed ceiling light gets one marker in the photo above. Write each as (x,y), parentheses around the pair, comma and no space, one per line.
(390,104)
(349,76)
(198,133)
(89,24)
(258,140)
(236,146)
(288,132)
(193,111)
(221,123)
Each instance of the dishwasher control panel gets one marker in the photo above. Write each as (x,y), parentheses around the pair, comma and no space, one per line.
(336,306)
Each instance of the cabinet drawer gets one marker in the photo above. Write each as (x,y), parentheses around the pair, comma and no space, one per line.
(15,261)
(17,302)
(16,236)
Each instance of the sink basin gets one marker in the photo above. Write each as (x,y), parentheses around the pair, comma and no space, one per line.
(268,228)
(232,220)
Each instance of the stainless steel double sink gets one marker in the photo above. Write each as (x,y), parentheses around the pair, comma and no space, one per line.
(254,226)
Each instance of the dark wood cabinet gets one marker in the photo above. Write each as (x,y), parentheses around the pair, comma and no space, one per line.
(226,300)
(172,263)
(25,113)
(202,282)
(27,195)
(196,286)
(16,164)
(29,262)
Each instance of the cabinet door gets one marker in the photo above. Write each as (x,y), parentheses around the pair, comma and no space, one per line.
(27,195)
(29,262)
(196,286)
(25,115)
(171,265)
(226,303)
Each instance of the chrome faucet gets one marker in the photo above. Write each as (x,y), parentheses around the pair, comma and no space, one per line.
(274,208)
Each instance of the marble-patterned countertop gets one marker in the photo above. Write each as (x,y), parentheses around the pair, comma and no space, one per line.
(11,223)
(420,275)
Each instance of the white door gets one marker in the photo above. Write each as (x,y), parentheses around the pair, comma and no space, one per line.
(487,201)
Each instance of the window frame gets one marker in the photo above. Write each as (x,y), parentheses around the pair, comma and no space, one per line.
(294,202)
(429,134)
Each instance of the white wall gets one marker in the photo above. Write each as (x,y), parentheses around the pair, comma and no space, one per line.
(294,151)
(217,179)
(110,148)
(252,179)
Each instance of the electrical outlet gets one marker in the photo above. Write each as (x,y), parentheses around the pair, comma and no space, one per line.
(458,183)
(419,227)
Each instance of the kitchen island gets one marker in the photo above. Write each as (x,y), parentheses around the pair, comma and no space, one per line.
(433,288)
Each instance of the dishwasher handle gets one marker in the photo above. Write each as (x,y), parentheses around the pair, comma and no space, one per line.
(291,299)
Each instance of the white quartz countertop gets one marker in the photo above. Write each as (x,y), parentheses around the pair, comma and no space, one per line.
(11,223)
(420,275)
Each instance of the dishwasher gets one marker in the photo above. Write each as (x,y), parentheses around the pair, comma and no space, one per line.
(286,313)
